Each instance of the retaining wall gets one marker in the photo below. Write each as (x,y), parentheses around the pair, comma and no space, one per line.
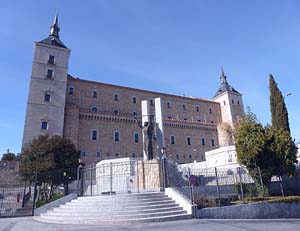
(262,210)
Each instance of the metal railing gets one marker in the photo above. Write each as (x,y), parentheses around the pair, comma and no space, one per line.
(133,176)
(212,187)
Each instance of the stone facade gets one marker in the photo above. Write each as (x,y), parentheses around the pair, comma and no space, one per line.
(102,119)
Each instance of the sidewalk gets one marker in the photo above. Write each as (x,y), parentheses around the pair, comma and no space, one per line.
(27,223)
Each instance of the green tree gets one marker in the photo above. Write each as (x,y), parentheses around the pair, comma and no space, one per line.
(278,108)
(47,153)
(252,147)
(285,151)
(9,156)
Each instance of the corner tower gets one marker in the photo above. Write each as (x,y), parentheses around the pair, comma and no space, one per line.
(47,93)
(232,109)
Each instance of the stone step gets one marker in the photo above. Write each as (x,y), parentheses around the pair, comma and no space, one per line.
(148,194)
(94,221)
(120,212)
(113,200)
(141,207)
(55,215)
(114,209)
(125,203)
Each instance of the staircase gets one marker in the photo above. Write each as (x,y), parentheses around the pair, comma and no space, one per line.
(127,208)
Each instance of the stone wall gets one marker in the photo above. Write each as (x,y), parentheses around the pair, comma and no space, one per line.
(252,211)
(182,117)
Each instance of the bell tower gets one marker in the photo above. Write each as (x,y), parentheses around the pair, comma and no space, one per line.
(232,109)
(48,83)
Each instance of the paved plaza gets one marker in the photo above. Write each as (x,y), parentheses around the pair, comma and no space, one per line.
(27,223)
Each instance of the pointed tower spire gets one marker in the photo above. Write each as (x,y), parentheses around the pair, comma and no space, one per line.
(54,29)
(224,85)
(223,77)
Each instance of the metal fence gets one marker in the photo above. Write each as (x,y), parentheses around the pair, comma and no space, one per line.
(219,187)
(133,176)
(16,200)
(204,187)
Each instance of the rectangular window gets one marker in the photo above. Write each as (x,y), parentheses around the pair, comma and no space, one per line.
(133,99)
(116,111)
(98,154)
(83,154)
(203,141)
(172,140)
(94,109)
(133,155)
(117,154)
(177,156)
(183,107)
(168,105)
(210,111)
(188,140)
(95,94)
(117,136)
(71,90)
(51,59)
(44,125)
(94,134)
(135,114)
(197,108)
(190,156)
(47,97)
(49,74)
(151,102)
(136,137)
(116,97)
(212,142)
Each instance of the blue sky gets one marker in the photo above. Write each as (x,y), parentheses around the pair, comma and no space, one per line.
(171,46)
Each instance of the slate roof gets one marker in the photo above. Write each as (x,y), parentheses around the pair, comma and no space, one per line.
(53,38)
(54,41)
(224,86)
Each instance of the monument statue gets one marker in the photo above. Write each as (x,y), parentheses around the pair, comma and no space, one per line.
(148,133)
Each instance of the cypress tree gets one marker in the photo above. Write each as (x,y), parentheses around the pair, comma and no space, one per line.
(278,108)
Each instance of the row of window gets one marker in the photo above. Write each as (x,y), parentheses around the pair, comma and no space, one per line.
(134,99)
(116,135)
(134,155)
(232,101)
(99,154)
(94,136)
(189,141)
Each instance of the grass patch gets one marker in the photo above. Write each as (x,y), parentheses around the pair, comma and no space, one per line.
(44,202)
(287,199)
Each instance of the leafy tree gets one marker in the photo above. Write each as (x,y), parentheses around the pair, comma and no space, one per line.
(277,106)
(54,160)
(48,154)
(284,150)
(9,156)
(252,148)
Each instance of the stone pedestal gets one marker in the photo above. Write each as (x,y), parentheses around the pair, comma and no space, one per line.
(127,175)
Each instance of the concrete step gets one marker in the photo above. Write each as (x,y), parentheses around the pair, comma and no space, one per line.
(114,209)
(112,212)
(121,195)
(116,200)
(140,207)
(55,215)
(115,221)
(112,204)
